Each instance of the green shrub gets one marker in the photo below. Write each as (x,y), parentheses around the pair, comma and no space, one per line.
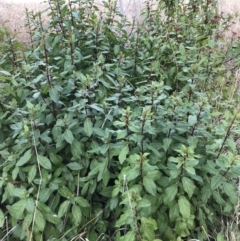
(117,131)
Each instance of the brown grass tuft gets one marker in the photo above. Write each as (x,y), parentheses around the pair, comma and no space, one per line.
(12,14)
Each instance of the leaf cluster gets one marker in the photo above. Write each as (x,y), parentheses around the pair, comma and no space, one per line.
(117,130)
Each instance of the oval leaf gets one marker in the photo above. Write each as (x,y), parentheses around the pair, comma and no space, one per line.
(24,159)
(68,136)
(45,162)
(150,185)
(188,186)
(123,154)
(184,207)
(74,166)
(77,214)
(88,127)
(216,181)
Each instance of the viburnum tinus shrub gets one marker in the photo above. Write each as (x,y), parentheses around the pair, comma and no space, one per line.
(113,133)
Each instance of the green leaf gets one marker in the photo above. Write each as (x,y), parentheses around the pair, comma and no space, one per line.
(216,181)
(104,148)
(96,107)
(231,190)
(218,198)
(54,95)
(99,131)
(116,190)
(206,193)
(131,173)
(55,159)
(76,148)
(16,210)
(188,186)
(192,120)
(45,162)
(148,225)
(2,219)
(155,151)
(190,170)
(57,131)
(125,218)
(174,212)
(27,221)
(166,143)
(220,237)
(32,173)
(150,185)
(88,127)
(30,106)
(232,144)
(154,174)
(182,229)
(52,218)
(170,194)
(130,236)
(121,134)
(4,72)
(143,203)
(44,194)
(68,136)
(40,221)
(24,159)
(82,202)
(77,214)
(116,49)
(63,208)
(19,192)
(65,192)
(15,172)
(184,207)
(182,50)
(106,192)
(44,208)
(74,166)
(10,188)
(123,154)
(30,205)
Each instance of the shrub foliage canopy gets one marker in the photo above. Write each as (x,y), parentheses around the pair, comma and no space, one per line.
(119,130)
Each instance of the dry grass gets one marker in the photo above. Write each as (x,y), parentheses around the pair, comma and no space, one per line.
(12,14)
